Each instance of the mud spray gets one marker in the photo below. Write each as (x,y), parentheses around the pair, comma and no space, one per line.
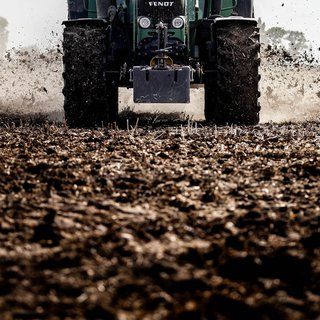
(31,83)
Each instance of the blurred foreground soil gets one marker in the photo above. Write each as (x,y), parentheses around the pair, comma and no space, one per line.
(163,223)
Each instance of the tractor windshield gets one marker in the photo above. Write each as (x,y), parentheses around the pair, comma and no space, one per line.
(163,10)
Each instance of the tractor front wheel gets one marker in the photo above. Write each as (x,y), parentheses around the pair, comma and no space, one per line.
(232,84)
(91,93)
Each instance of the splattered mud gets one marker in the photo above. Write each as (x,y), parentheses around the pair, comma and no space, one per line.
(178,223)
(31,83)
(290,88)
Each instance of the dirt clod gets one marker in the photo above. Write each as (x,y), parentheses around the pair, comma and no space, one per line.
(174,223)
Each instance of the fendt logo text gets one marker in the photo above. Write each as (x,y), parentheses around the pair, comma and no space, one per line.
(160,4)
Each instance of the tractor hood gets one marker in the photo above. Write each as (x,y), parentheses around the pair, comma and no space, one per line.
(163,11)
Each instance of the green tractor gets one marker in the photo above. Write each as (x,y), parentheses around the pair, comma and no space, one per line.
(161,49)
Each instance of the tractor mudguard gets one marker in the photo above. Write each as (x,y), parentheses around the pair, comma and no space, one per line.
(236,19)
(161,86)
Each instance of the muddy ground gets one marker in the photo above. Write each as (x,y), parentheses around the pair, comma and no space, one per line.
(160,223)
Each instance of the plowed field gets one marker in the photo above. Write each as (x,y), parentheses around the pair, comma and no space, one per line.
(162,223)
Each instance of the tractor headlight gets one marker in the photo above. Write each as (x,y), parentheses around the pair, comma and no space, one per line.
(144,22)
(178,22)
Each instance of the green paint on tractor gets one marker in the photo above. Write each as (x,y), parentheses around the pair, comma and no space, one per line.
(226,11)
(160,49)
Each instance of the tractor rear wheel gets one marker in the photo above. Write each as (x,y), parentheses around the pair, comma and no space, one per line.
(232,84)
(91,94)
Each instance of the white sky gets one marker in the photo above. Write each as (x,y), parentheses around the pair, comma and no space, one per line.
(32,21)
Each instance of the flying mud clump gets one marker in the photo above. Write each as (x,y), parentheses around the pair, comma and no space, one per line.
(31,83)
(290,87)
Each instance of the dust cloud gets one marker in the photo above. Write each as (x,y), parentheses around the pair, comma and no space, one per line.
(31,83)
(290,88)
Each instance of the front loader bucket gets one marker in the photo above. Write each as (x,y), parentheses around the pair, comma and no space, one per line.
(161,86)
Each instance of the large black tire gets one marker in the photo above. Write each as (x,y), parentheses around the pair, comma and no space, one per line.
(244,8)
(232,84)
(91,93)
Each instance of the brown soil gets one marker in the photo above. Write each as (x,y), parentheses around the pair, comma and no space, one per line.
(166,223)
